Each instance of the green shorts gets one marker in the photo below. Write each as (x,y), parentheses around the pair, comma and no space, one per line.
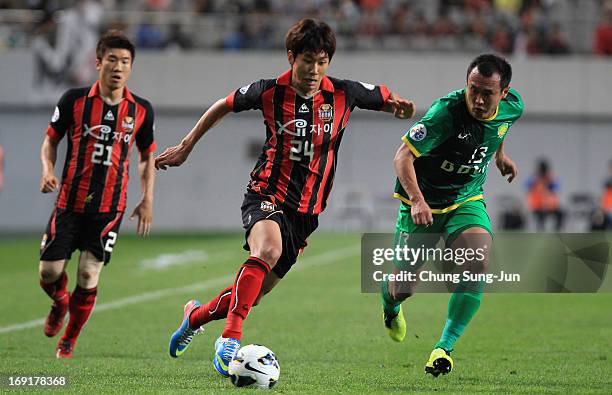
(448,226)
(451,224)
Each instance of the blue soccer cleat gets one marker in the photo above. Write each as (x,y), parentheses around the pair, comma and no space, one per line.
(182,337)
(225,351)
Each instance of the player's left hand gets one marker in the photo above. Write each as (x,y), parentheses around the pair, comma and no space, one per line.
(401,108)
(507,167)
(144,212)
(173,156)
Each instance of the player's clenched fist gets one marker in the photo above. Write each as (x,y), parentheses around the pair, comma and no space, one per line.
(421,213)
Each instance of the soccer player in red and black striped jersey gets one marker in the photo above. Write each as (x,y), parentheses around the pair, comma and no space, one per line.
(305,113)
(100,123)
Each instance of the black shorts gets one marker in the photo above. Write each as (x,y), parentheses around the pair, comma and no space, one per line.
(295,228)
(68,231)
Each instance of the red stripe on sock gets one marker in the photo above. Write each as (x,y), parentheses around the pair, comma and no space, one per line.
(216,309)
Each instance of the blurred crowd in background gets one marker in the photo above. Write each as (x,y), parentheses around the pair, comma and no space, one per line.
(543,208)
(517,27)
(62,34)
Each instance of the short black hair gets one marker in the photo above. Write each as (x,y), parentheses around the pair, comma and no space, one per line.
(488,64)
(311,35)
(114,39)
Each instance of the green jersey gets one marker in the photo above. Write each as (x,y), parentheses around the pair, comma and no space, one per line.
(453,149)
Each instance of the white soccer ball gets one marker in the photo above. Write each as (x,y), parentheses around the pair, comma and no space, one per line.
(254,366)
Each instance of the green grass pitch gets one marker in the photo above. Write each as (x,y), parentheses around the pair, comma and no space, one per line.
(328,336)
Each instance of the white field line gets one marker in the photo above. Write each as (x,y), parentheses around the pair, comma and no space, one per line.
(189,257)
(163,261)
(317,260)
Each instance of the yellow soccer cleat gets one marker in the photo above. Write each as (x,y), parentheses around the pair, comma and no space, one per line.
(396,326)
(439,362)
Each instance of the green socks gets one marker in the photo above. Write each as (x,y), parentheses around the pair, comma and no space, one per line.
(390,306)
(462,306)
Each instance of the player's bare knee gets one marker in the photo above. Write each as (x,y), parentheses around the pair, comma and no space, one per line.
(88,278)
(269,254)
(50,271)
(88,273)
(49,276)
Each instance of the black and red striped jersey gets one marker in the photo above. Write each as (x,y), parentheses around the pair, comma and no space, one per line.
(298,160)
(99,138)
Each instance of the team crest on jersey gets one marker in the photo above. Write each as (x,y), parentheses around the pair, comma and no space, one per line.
(418,132)
(502,129)
(326,112)
(267,206)
(128,124)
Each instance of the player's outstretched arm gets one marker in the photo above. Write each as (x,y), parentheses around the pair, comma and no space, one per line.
(404,167)
(175,156)
(48,154)
(400,108)
(506,166)
(144,209)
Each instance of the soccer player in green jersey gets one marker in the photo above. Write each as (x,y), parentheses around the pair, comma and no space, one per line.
(441,167)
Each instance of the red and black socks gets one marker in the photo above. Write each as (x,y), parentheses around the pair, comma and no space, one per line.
(57,290)
(216,309)
(244,293)
(81,305)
